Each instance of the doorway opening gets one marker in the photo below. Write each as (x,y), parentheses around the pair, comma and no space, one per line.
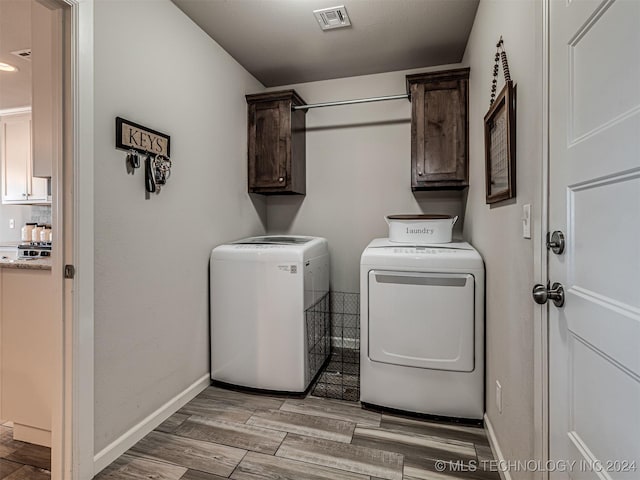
(37,105)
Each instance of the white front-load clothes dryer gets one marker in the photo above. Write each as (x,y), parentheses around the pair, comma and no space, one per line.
(262,290)
(422,328)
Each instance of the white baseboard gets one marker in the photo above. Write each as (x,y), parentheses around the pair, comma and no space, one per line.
(28,434)
(340,342)
(495,448)
(123,443)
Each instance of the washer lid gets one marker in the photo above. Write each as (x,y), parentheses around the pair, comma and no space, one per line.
(421,216)
(275,240)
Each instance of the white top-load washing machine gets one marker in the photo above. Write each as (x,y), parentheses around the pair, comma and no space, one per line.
(261,288)
(422,328)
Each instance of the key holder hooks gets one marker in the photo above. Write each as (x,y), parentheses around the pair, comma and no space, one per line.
(157,170)
(132,161)
(161,170)
(142,142)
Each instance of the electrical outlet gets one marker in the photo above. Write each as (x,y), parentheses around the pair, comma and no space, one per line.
(526,221)
(499,396)
(12,223)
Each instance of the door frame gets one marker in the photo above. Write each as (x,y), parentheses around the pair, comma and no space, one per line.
(74,425)
(541,273)
(72,192)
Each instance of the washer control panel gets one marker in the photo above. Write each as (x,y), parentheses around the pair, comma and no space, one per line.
(424,251)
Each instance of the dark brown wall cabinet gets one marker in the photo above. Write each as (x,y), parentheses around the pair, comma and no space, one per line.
(439,130)
(276,140)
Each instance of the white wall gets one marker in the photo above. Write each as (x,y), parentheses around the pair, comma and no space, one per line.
(497,231)
(19,213)
(154,66)
(358,171)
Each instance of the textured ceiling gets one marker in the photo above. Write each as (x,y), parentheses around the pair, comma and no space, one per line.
(280,42)
(15,34)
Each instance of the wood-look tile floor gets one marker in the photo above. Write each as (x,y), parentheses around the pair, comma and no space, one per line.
(242,436)
(22,461)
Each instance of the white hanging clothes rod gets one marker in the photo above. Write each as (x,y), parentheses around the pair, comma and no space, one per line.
(351,102)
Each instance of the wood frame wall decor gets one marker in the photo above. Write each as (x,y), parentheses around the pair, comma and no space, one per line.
(133,136)
(500,146)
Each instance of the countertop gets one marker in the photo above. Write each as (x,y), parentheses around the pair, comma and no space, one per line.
(40,264)
(8,258)
(7,245)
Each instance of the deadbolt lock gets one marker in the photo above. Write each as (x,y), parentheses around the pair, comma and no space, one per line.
(555,242)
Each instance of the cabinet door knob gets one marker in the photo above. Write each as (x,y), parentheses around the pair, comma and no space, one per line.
(281,179)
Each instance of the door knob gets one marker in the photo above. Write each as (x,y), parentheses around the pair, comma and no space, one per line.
(555,242)
(542,294)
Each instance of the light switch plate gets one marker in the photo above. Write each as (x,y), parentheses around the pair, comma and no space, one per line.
(526,221)
(12,223)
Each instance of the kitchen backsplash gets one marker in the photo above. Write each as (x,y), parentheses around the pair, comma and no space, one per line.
(21,214)
(41,214)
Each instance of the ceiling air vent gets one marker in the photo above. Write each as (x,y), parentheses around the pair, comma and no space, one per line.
(26,53)
(332,17)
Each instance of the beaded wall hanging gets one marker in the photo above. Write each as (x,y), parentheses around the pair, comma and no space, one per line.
(500,134)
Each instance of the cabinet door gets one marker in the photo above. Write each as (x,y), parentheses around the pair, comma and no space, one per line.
(38,190)
(46,63)
(18,184)
(439,131)
(16,157)
(269,144)
(26,347)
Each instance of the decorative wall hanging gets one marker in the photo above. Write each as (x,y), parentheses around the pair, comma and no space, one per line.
(500,135)
(154,146)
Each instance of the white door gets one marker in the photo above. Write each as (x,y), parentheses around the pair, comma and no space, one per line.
(594,344)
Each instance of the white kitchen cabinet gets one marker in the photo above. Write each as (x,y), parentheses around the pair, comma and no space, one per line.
(18,184)
(27,352)
(46,86)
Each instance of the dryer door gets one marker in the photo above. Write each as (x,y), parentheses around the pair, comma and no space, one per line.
(423,320)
